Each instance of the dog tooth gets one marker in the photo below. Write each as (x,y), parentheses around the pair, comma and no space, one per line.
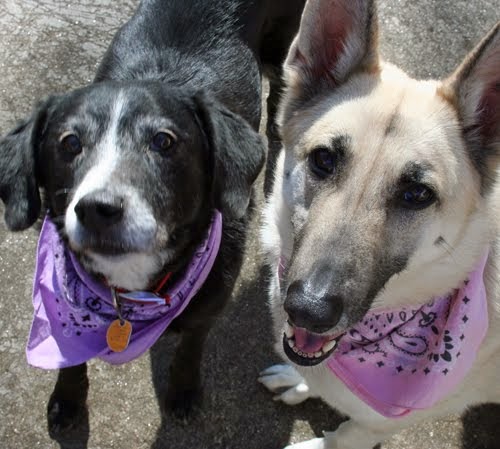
(318,354)
(294,348)
(327,347)
(291,343)
(289,332)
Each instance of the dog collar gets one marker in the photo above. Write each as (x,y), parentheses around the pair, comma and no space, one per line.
(407,359)
(73,310)
(153,296)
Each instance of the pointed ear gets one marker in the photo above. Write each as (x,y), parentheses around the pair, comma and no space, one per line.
(336,38)
(18,174)
(237,153)
(474,89)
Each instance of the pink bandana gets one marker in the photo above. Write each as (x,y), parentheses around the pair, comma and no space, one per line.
(73,310)
(408,359)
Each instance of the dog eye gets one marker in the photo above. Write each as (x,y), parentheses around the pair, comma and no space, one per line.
(71,144)
(417,196)
(323,162)
(162,141)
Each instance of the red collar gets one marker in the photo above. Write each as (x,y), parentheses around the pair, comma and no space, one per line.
(135,296)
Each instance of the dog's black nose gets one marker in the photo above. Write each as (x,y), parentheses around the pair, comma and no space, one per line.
(310,307)
(99,210)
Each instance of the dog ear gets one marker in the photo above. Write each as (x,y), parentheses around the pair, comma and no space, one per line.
(18,174)
(336,38)
(237,152)
(474,89)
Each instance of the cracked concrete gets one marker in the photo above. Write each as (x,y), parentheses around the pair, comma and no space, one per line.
(51,46)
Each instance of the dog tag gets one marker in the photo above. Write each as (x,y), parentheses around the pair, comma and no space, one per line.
(118,335)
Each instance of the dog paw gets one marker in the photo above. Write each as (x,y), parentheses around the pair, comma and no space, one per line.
(284,379)
(64,415)
(183,404)
(315,443)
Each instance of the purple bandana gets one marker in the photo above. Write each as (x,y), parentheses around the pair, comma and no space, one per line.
(408,359)
(73,310)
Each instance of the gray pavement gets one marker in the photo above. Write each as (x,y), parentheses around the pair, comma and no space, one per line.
(51,46)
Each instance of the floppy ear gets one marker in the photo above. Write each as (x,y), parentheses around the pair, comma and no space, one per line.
(18,174)
(474,89)
(336,38)
(237,151)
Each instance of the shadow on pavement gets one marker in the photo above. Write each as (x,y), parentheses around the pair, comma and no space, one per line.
(237,412)
(481,427)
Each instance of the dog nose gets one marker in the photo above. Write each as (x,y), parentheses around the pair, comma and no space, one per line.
(99,210)
(311,308)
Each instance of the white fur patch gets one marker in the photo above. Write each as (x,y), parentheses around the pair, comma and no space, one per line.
(98,176)
(285,376)
(131,272)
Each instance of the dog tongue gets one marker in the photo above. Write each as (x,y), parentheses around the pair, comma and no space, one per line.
(307,342)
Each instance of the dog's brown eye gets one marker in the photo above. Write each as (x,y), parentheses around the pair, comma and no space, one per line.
(417,196)
(162,141)
(323,162)
(71,144)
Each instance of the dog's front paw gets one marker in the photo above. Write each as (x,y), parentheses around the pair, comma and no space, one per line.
(277,378)
(64,415)
(183,403)
(315,443)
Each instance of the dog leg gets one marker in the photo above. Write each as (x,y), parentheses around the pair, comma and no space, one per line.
(354,435)
(68,402)
(278,377)
(315,443)
(349,435)
(184,390)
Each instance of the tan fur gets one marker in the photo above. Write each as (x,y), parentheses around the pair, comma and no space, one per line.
(391,120)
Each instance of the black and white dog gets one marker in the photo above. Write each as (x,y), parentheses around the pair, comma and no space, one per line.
(134,165)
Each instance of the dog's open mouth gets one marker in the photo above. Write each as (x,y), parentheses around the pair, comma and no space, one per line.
(306,348)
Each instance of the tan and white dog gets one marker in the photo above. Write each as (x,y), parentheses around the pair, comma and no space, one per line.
(385,197)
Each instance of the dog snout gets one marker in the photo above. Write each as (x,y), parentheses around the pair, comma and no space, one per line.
(309,307)
(99,210)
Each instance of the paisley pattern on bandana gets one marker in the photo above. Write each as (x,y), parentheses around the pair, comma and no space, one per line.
(407,359)
(73,310)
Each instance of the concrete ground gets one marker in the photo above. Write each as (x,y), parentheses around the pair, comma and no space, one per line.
(51,46)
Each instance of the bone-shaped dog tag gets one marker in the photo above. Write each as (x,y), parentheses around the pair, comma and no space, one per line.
(118,335)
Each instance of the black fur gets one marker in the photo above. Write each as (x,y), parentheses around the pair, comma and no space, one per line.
(193,66)
(18,183)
